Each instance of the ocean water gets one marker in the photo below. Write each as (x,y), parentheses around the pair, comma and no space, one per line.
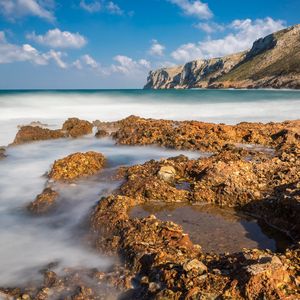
(220,106)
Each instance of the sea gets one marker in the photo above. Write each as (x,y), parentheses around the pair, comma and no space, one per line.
(219,106)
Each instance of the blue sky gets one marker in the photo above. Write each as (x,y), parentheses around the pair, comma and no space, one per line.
(114,44)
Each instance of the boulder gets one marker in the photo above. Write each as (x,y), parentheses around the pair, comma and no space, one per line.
(196,265)
(75,127)
(101,133)
(77,165)
(43,201)
(2,152)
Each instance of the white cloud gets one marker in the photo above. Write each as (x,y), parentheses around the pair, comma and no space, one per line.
(56,38)
(77,64)
(114,8)
(13,9)
(91,7)
(127,65)
(89,61)
(245,32)
(10,53)
(194,8)
(210,27)
(157,49)
(57,57)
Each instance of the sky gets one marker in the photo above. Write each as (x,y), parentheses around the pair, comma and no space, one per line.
(95,44)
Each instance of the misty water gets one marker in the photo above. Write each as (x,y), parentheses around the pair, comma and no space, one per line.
(29,243)
(219,106)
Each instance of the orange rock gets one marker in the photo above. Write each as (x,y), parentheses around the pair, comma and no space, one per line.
(77,165)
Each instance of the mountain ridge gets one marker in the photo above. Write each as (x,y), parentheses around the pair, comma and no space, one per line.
(272,62)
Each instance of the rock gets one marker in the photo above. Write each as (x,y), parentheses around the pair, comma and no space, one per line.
(77,165)
(2,152)
(202,136)
(101,133)
(43,201)
(35,133)
(195,264)
(167,173)
(265,264)
(76,127)
(73,127)
(153,287)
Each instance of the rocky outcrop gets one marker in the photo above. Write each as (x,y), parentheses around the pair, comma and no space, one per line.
(35,133)
(202,136)
(76,127)
(77,165)
(73,127)
(163,261)
(43,201)
(272,62)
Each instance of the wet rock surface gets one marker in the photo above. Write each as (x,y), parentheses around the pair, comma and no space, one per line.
(43,201)
(77,165)
(2,152)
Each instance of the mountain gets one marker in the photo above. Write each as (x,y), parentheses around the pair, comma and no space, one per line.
(272,62)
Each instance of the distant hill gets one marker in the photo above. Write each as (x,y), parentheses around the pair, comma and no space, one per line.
(272,62)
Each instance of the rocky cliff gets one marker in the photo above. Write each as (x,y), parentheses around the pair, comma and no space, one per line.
(272,62)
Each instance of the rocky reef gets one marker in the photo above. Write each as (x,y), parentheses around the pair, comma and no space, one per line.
(194,135)
(252,168)
(166,264)
(272,62)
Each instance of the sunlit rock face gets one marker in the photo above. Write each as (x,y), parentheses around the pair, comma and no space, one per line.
(272,62)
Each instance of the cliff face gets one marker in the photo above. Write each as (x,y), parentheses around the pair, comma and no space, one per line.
(272,62)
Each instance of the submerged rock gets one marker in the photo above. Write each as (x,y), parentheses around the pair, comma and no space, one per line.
(43,201)
(2,152)
(101,133)
(76,127)
(77,165)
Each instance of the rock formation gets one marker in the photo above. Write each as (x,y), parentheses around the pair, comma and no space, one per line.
(73,127)
(77,165)
(272,62)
